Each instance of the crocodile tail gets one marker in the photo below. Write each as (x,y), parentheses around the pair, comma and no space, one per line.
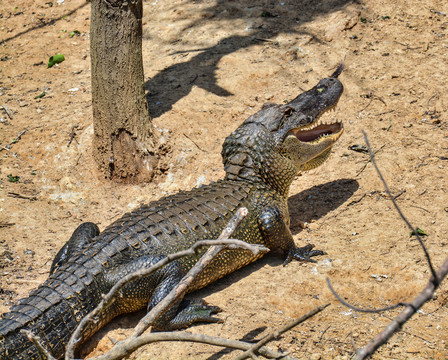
(51,312)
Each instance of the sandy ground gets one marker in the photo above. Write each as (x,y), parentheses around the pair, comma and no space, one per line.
(209,65)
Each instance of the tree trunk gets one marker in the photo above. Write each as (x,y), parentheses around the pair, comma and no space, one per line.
(124,140)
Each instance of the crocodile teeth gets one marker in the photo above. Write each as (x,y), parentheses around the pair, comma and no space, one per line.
(317,132)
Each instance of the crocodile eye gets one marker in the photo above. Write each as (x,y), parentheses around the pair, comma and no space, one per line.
(288,112)
(306,120)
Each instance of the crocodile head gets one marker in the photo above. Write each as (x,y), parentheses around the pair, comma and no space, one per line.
(275,144)
(302,139)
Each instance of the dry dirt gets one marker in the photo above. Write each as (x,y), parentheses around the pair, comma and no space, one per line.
(209,65)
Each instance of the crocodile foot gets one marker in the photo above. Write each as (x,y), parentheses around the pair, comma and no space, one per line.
(189,313)
(303,254)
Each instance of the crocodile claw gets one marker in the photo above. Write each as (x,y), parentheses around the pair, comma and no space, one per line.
(199,311)
(189,313)
(303,254)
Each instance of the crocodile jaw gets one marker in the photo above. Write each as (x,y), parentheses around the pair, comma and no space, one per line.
(319,133)
(307,142)
(310,147)
(314,145)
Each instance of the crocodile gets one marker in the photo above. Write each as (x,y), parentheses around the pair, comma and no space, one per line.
(261,159)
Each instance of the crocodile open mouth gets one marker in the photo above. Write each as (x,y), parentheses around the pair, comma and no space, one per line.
(319,132)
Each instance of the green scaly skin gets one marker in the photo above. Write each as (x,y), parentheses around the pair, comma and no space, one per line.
(261,159)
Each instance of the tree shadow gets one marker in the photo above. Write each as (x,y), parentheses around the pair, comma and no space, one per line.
(176,81)
(267,19)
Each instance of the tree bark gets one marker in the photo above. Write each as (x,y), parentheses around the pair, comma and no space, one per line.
(125,145)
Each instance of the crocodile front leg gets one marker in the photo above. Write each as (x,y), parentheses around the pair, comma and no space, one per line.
(302,254)
(274,228)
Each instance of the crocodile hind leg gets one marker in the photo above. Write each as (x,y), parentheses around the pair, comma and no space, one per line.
(278,235)
(183,313)
(80,239)
(151,290)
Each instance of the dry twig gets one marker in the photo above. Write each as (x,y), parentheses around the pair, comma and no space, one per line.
(72,135)
(194,142)
(345,303)
(22,196)
(386,187)
(372,97)
(370,159)
(426,295)
(19,136)
(5,224)
(410,308)
(4,107)
(276,334)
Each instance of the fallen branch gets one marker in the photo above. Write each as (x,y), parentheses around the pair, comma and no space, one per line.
(183,285)
(410,333)
(145,339)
